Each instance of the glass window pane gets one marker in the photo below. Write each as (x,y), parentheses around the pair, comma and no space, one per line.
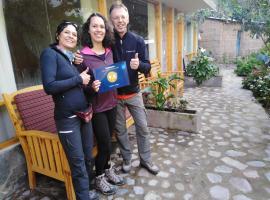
(188,38)
(31,25)
(142,22)
(164,39)
(175,51)
(151,32)
(137,16)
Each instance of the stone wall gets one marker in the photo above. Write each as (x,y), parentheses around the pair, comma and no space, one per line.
(220,38)
(13,170)
(249,44)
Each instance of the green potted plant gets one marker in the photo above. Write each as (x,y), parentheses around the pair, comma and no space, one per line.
(202,71)
(165,110)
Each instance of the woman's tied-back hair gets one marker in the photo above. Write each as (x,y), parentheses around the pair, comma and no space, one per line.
(118,4)
(86,38)
(62,26)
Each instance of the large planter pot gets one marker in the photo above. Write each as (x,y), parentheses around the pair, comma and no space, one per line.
(215,81)
(189,120)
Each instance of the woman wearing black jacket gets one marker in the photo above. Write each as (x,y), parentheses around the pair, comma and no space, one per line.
(62,80)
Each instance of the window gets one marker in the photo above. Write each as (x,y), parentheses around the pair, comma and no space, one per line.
(164,39)
(188,38)
(151,42)
(31,25)
(141,21)
(175,39)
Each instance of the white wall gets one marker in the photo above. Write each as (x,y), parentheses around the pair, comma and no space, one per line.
(88,7)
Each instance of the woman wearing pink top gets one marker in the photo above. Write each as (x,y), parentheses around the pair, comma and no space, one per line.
(97,40)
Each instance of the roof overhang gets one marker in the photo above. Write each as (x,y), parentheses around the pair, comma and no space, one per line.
(187,6)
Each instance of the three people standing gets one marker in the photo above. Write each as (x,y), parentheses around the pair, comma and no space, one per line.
(68,87)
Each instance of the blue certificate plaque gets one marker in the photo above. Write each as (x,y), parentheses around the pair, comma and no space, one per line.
(112,76)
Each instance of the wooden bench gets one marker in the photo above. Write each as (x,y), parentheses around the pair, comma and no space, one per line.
(155,69)
(31,112)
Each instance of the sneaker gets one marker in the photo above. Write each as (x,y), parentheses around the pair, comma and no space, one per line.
(153,169)
(113,177)
(104,186)
(126,166)
(93,195)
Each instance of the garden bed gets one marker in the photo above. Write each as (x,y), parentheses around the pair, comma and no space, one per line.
(186,120)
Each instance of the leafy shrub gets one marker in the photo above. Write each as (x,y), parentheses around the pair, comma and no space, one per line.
(201,67)
(244,66)
(259,83)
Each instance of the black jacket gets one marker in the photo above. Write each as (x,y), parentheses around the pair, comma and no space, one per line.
(124,50)
(62,80)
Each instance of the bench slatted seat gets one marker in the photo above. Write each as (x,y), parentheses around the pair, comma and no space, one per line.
(31,112)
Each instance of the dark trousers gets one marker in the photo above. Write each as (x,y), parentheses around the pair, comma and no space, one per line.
(103,125)
(77,140)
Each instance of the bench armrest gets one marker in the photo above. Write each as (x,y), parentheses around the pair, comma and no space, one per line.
(40,134)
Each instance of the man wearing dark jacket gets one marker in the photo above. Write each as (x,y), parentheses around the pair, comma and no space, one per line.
(131,48)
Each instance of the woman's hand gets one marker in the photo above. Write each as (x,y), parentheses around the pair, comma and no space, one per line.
(96,85)
(85,77)
(78,58)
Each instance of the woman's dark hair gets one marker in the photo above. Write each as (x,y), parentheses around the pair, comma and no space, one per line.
(86,38)
(62,26)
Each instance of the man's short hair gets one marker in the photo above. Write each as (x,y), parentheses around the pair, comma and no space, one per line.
(118,4)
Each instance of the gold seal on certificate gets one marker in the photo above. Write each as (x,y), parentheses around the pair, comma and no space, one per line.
(112,76)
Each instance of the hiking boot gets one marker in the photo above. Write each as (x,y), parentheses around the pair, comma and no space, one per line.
(93,195)
(113,177)
(126,166)
(153,169)
(104,186)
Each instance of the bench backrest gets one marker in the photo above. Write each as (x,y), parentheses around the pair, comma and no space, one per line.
(155,68)
(31,109)
(36,109)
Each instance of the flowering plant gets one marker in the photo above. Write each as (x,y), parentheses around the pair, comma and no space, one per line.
(259,84)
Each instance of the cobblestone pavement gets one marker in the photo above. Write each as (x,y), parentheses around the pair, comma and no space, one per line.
(228,159)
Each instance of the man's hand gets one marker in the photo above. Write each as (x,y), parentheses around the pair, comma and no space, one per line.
(134,62)
(85,77)
(96,85)
(78,58)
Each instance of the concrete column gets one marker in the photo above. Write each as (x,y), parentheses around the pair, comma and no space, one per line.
(7,79)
